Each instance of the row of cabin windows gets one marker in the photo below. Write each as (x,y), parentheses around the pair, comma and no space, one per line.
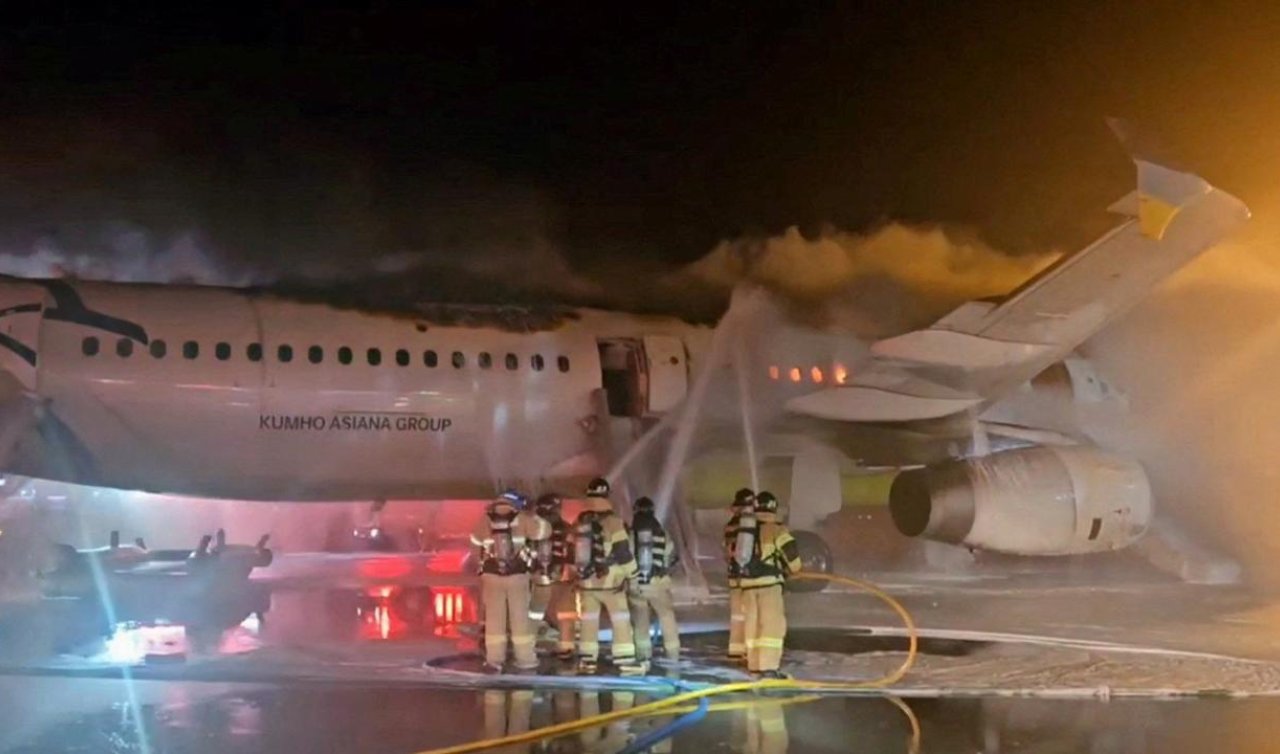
(315,354)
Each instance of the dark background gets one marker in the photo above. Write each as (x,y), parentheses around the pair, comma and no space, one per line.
(300,132)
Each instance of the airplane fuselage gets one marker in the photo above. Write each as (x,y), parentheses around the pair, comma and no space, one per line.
(225,393)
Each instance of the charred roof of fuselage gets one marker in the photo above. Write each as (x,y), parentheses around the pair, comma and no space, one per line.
(475,303)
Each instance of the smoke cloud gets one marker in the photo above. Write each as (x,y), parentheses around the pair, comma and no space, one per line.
(1198,361)
(876,284)
(131,254)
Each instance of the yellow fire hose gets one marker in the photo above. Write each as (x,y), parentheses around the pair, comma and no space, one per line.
(670,704)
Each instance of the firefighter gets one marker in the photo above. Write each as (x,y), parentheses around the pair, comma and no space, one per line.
(539,546)
(500,545)
(555,576)
(774,557)
(651,587)
(604,564)
(744,501)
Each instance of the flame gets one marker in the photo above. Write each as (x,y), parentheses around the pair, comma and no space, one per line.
(816,374)
(841,374)
(794,374)
(774,373)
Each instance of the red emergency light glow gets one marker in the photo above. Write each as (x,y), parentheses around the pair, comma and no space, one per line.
(452,605)
(377,569)
(448,561)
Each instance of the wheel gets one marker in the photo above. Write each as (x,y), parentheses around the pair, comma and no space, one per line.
(815,557)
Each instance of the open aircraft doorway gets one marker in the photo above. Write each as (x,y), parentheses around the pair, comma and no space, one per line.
(643,377)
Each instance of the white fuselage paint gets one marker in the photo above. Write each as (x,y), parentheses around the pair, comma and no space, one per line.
(272,429)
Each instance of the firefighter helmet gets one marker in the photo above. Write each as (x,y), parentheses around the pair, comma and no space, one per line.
(644,505)
(599,487)
(512,498)
(548,504)
(743,497)
(766,503)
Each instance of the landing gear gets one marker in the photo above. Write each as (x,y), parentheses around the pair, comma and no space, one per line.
(373,536)
(815,557)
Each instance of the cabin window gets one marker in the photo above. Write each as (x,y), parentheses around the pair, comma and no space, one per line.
(513,362)
(315,354)
(485,360)
(89,346)
(190,350)
(430,359)
(344,355)
(284,353)
(222,351)
(402,357)
(374,355)
(124,348)
(537,362)
(253,351)
(459,361)
(563,363)
(158,349)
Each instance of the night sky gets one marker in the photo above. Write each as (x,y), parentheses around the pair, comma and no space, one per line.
(297,133)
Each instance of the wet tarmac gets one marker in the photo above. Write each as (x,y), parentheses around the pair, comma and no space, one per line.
(95,715)
(366,655)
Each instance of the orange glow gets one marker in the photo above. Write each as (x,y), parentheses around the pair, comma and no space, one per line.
(773,373)
(816,374)
(841,374)
(794,374)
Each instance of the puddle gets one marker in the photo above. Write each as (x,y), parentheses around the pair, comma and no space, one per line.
(842,641)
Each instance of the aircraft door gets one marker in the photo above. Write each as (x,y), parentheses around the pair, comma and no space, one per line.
(667,365)
(623,376)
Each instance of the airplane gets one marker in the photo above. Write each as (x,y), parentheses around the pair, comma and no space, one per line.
(261,395)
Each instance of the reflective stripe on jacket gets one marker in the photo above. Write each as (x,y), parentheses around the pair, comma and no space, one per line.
(779,555)
(617,546)
(525,529)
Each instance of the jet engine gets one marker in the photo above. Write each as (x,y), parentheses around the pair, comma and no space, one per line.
(1045,500)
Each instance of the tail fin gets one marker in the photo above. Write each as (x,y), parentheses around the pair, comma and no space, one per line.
(1174,217)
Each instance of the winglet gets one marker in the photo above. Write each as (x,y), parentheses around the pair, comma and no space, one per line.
(1162,190)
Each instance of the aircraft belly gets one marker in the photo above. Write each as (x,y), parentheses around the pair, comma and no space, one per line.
(145,436)
(303,445)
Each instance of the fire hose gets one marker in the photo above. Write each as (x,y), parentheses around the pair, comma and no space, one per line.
(670,705)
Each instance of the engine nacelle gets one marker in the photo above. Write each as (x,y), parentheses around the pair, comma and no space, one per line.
(1031,501)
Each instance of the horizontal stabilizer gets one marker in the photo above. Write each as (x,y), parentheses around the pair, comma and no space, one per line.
(982,350)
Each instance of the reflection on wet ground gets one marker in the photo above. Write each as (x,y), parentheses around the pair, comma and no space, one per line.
(92,715)
(365,661)
(246,619)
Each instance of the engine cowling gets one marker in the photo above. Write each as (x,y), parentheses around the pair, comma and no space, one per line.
(1031,501)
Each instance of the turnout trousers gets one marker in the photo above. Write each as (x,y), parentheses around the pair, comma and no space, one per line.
(766,626)
(591,602)
(506,616)
(737,625)
(655,597)
(560,609)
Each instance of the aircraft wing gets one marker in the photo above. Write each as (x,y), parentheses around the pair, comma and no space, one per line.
(982,350)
